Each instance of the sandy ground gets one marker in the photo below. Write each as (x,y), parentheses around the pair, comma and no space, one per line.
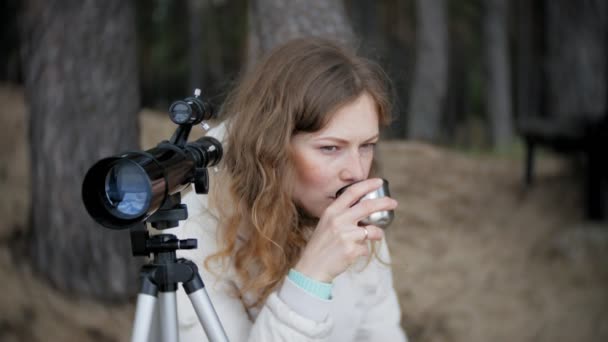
(476,256)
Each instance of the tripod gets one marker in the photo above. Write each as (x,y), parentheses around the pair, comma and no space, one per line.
(159,279)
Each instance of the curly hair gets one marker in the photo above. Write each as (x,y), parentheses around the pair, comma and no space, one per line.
(296,88)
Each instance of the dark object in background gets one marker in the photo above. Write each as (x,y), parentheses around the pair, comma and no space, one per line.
(588,138)
(562,87)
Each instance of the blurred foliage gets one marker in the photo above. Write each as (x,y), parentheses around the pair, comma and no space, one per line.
(386,29)
(387,33)
(465,108)
(164,47)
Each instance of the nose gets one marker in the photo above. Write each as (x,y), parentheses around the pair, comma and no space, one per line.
(354,168)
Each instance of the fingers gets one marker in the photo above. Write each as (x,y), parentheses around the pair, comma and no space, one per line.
(359,234)
(373,233)
(365,208)
(349,206)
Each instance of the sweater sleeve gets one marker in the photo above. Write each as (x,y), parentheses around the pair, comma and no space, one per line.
(277,319)
(382,318)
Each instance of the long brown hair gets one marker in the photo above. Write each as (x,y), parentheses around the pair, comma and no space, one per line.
(296,88)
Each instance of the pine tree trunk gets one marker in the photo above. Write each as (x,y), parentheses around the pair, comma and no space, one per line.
(273,22)
(81,86)
(195,49)
(430,74)
(498,80)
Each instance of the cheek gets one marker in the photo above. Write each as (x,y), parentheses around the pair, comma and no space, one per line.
(314,171)
(309,170)
(370,166)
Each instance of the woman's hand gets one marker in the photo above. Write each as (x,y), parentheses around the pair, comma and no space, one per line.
(337,240)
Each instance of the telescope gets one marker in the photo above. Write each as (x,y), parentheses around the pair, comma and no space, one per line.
(135,188)
(125,190)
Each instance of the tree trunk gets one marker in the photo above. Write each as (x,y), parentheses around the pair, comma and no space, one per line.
(529,45)
(272,22)
(367,25)
(383,28)
(195,48)
(498,80)
(81,86)
(430,74)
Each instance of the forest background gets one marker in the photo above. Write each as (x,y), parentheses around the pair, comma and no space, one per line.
(494,240)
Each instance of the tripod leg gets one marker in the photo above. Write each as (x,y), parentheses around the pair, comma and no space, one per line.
(168,316)
(144,311)
(204,309)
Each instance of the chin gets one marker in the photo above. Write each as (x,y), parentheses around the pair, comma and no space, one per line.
(316,208)
(316,212)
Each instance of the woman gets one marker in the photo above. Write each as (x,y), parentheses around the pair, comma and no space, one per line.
(282,257)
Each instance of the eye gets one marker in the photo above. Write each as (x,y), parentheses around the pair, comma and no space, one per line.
(369,146)
(329,148)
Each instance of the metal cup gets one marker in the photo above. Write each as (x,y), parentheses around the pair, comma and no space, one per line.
(380,219)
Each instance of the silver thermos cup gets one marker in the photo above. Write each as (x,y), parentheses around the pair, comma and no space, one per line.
(380,219)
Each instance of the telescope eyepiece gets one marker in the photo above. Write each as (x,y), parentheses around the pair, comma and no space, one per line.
(191,110)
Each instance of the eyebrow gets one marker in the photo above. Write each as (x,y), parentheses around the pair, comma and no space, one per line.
(343,141)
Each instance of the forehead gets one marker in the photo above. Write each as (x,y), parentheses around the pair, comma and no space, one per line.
(358,118)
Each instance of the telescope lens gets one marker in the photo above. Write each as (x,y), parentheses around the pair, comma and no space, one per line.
(180,112)
(128,190)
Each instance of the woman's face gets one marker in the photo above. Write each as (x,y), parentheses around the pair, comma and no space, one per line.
(339,154)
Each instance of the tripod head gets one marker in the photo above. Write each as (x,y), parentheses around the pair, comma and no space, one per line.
(142,244)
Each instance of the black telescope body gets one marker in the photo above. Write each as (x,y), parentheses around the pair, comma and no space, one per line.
(122,191)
